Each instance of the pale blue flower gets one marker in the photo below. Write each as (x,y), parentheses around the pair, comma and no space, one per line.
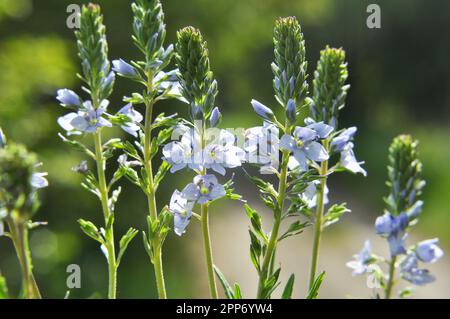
(205,188)
(123,68)
(309,196)
(349,161)
(342,143)
(131,127)
(215,117)
(262,110)
(181,208)
(323,130)
(393,227)
(361,261)
(428,251)
(38,180)
(123,161)
(180,154)
(221,153)
(2,139)
(262,147)
(304,146)
(413,274)
(68,98)
(87,120)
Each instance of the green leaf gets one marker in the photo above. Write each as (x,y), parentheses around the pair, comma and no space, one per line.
(162,171)
(287,292)
(3,288)
(226,286)
(124,242)
(256,222)
(294,229)
(237,291)
(334,213)
(314,291)
(271,284)
(91,230)
(147,246)
(77,146)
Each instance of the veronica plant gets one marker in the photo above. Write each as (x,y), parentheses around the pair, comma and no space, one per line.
(403,207)
(202,147)
(328,98)
(90,118)
(291,90)
(19,185)
(148,36)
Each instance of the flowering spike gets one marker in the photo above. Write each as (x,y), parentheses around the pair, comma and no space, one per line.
(329,88)
(404,175)
(195,76)
(290,65)
(93,52)
(149,32)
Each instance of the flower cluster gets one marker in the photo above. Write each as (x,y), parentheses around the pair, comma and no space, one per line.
(20,181)
(201,145)
(403,209)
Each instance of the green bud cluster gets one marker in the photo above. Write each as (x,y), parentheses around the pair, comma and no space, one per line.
(17,166)
(93,52)
(290,65)
(404,175)
(149,33)
(196,78)
(329,88)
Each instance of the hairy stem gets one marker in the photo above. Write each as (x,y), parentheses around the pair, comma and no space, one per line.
(320,206)
(390,283)
(270,253)
(109,236)
(151,200)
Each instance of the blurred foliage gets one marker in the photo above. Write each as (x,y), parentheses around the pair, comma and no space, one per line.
(400,83)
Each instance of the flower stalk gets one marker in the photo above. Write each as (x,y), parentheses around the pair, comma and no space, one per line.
(269,257)
(318,226)
(151,199)
(19,236)
(391,278)
(107,214)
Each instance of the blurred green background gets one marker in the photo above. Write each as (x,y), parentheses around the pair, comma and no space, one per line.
(400,78)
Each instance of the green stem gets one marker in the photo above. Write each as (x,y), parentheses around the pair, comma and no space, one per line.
(320,205)
(270,253)
(208,252)
(19,235)
(151,200)
(109,236)
(390,283)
